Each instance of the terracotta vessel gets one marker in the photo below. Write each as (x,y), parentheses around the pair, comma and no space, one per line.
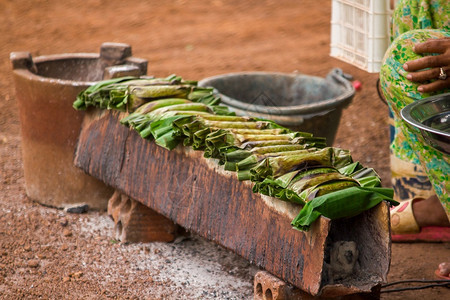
(46,87)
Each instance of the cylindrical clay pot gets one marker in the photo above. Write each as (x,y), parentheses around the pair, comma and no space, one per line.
(46,87)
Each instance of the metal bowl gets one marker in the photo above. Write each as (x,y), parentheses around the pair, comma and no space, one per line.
(432,117)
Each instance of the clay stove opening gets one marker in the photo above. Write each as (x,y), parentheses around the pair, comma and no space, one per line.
(362,240)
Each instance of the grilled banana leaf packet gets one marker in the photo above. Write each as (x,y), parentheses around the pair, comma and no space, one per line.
(346,202)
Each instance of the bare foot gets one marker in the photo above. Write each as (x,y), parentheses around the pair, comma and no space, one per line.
(429,212)
(444,269)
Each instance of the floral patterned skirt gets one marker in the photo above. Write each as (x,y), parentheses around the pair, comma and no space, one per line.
(417,168)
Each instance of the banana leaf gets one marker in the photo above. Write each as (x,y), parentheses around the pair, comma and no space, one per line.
(278,187)
(199,129)
(230,156)
(209,100)
(241,138)
(319,190)
(115,93)
(344,203)
(277,148)
(217,140)
(252,160)
(144,125)
(139,94)
(212,117)
(370,181)
(277,166)
(256,125)
(314,180)
(366,177)
(189,129)
(245,131)
(222,110)
(228,139)
(151,106)
(97,95)
(317,142)
(169,80)
(181,107)
(351,168)
(223,138)
(142,122)
(160,91)
(163,131)
(202,93)
(199,137)
(207,97)
(325,187)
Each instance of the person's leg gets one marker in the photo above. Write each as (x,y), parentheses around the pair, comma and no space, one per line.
(429,212)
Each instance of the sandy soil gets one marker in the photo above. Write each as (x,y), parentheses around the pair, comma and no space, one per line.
(47,253)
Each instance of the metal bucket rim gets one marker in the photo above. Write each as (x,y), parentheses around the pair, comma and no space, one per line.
(326,104)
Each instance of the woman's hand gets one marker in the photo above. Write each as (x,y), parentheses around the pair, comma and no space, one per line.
(432,63)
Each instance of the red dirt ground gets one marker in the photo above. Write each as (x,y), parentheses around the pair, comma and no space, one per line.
(47,253)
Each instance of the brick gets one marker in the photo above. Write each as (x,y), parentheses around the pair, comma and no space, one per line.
(121,71)
(135,222)
(269,287)
(114,53)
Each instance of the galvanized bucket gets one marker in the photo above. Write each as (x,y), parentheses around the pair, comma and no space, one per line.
(297,101)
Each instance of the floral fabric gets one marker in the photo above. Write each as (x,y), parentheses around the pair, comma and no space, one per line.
(414,163)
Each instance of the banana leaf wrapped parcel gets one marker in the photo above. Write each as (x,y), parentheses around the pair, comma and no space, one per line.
(128,93)
(291,166)
(344,203)
(118,93)
(275,166)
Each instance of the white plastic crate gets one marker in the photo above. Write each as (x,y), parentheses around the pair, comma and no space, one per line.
(360,32)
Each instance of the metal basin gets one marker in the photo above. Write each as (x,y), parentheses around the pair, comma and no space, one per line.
(431,116)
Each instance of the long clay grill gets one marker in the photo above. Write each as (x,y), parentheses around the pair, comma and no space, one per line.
(333,258)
